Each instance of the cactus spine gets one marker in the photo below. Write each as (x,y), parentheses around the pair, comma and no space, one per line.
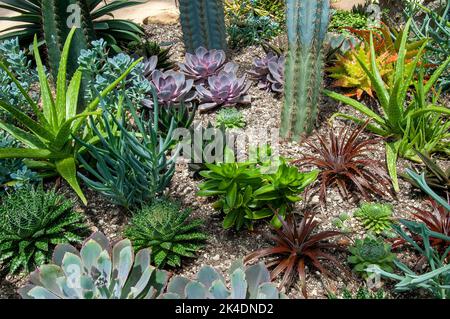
(307,24)
(203,24)
(59,16)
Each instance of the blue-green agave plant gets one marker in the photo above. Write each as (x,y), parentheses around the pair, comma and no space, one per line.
(98,271)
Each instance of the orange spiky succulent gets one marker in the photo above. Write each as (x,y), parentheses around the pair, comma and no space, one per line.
(348,73)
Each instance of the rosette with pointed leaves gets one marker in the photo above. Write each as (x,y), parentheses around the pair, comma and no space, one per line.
(202,64)
(348,74)
(246,283)
(172,88)
(164,228)
(98,271)
(203,24)
(149,49)
(224,89)
(371,251)
(344,162)
(408,124)
(13,172)
(32,222)
(260,70)
(375,217)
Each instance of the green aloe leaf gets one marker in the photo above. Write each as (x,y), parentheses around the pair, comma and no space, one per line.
(67,169)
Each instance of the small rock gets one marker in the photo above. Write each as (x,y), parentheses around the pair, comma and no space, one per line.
(216,258)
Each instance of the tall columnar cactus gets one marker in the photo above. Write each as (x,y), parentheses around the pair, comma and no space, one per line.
(203,23)
(58,17)
(307,24)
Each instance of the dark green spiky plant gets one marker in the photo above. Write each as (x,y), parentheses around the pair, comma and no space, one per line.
(164,228)
(307,24)
(203,24)
(32,223)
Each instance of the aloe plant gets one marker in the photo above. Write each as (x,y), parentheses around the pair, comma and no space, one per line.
(203,24)
(409,125)
(48,133)
(55,22)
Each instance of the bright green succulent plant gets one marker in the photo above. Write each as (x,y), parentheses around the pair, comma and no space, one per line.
(375,217)
(249,191)
(98,271)
(371,251)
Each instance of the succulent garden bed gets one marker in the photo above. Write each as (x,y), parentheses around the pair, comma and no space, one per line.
(344,186)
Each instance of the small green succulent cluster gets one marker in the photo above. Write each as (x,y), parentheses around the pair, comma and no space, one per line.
(32,222)
(98,271)
(102,271)
(246,283)
(342,19)
(164,228)
(230,118)
(375,217)
(371,251)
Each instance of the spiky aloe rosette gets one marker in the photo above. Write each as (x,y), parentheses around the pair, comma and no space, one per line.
(98,271)
(307,23)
